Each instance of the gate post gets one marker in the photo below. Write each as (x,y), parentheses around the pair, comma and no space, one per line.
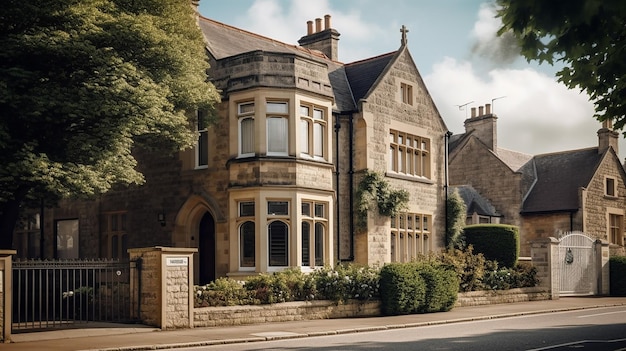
(166,286)
(6,294)
(544,253)
(601,249)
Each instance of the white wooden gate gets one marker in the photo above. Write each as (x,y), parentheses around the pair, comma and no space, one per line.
(577,265)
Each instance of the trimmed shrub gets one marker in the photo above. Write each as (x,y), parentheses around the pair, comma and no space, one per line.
(617,275)
(469,267)
(222,292)
(521,276)
(442,287)
(402,289)
(497,242)
(346,282)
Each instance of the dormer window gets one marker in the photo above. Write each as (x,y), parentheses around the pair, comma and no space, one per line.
(407,93)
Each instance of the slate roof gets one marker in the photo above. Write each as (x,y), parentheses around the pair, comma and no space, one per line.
(363,74)
(476,202)
(350,82)
(513,159)
(224,41)
(559,176)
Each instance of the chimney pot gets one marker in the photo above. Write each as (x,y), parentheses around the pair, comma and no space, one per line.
(318,25)
(327,22)
(309,27)
(488,109)
(473,112)
(480,110)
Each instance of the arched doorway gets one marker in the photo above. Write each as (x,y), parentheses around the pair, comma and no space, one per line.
(206,249)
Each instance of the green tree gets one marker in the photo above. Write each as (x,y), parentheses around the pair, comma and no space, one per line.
(587,36)
(456,212)
(83,82)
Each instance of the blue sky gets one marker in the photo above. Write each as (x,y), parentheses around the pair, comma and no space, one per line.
(454,46)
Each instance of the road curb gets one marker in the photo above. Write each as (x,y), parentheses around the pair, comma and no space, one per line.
(345,331)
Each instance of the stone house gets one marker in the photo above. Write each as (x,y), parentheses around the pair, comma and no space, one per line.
(545,195)
(271,184)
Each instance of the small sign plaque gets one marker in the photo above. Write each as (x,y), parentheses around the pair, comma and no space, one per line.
(177,261)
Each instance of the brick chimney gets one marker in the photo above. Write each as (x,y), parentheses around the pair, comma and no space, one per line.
(607,137)
(484,126)
(321,39)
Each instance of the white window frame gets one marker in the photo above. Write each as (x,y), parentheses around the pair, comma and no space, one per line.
(277,111)
(409,155)
(313,130)
(409,237)
(244,115)
(318,230)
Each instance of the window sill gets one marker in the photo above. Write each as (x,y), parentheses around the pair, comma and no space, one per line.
(409,178)
(611,197)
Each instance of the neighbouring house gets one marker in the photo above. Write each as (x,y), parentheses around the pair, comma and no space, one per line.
(545,195)
(271,185)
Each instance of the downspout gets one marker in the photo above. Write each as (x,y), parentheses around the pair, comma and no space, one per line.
(446,138)
(351,186)
(337,202)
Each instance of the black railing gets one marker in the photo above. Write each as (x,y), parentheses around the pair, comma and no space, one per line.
(62,293)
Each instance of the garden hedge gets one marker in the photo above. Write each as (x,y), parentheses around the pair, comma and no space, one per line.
(617,275)
(417,287)
(497,242)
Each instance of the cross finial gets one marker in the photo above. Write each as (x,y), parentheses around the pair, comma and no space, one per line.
(403,30)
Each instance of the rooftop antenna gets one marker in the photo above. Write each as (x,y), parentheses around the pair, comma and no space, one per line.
(462,107)
(493,110)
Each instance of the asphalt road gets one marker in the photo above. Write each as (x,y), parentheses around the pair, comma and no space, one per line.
(599,329)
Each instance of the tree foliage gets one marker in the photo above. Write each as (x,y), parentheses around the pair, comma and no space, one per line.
(456,212)
(84,81)
(587,36)
(373,188)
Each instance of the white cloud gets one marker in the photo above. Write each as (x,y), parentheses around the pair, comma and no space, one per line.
(537,114)
(486,42)
(288,23)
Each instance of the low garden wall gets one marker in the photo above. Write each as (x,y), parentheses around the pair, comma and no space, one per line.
(282,312)
(488,297)
(295,311)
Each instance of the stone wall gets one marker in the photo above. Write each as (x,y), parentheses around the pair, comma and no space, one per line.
(282,312)
(488,297)
(295,311)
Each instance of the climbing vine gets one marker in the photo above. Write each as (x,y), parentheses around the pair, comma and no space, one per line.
(373,188)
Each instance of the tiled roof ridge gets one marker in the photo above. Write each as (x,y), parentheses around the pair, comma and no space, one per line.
(246,32)
(563,152)
(370,58)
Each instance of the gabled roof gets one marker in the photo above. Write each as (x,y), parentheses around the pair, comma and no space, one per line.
(513,159)
(559,176)
(475,202)
(223,41)
(363,74)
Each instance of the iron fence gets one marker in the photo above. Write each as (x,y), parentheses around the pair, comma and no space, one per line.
(62,293)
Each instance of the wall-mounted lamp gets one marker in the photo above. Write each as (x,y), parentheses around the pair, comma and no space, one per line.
(161,219)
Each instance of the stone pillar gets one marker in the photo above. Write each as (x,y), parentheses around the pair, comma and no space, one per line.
(601,248)
(545,257)
(165,286)
(6,294)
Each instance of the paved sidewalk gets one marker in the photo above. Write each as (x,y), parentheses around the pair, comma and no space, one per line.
(136,337)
